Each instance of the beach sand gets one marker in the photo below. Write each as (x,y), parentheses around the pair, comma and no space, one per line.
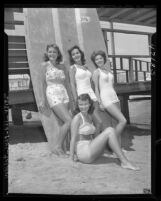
(32,169)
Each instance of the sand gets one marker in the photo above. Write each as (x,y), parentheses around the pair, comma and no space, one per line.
(32,169)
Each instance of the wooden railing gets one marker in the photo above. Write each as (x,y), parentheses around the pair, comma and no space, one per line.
(134,70)
(22,95)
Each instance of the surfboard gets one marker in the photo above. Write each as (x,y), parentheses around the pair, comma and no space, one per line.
(65,27)
(81,26)
(39,31)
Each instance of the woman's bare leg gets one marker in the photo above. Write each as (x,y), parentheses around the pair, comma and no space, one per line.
(114,110)
(97,118)
(61,110)
(98,144)
(114,145)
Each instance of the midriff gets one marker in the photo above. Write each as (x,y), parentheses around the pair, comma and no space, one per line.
(86,137)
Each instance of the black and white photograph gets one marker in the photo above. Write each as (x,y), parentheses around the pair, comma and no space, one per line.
(79,99)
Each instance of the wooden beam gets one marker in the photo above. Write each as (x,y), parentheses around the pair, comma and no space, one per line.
(146,16)
(117,14)
(106,11)
(18,65)
(21,97)
(16,115)
(126,31)
(18,71)
(21,46)
(16,39)
(137,12)
(126,21)
(17,53)
(151,21)
(13,59)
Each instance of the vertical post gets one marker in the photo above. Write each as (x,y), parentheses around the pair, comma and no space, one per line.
(127,77)
(113,53)
(121,63)
(131,76)
(105,39)
(16,115)
(144,76)
(125,107)
(136,70)
(149,44)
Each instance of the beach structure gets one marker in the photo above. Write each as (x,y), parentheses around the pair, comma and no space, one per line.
(131,71)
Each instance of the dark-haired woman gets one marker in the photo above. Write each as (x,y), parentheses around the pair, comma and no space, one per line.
(81,80)
(105,92)
(84,147)
(54,78)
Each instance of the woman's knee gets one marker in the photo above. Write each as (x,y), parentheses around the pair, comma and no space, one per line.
(109,131)
(123,121)
(68,121)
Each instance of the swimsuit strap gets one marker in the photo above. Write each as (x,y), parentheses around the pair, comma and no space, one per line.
(82,118)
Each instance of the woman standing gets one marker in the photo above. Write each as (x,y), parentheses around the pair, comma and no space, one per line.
(54,77)
(81,82)
(105,92)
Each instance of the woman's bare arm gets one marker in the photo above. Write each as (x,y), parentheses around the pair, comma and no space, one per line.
(74,134)
(72,72)
(95,79)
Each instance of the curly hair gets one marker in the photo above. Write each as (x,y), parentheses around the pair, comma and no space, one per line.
(94,54)
(59,57)
(81,52)
(84,97)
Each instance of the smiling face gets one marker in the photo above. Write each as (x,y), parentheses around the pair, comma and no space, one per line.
(76,55)
(52,54)
(99,60)
(83,105)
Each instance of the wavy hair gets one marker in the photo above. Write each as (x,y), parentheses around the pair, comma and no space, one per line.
(84,97)
(81,52)
(96,53)
(59,57)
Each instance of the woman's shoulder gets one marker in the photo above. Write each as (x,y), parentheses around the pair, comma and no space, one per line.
(96,72)
(77,118)
(44,66)
(45,63)
(73,68)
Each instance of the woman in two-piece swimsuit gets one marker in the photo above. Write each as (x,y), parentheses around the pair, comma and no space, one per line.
(86,148)
(105,92)
(56,93)
(80,79)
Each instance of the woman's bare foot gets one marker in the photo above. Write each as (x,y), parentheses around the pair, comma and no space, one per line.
(60,152)
(130,166)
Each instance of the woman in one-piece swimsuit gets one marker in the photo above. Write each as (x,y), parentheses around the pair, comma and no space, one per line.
(81,82)
(55,81)
(105,92)
(84,146)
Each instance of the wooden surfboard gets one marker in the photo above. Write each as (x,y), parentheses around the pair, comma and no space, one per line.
(39,30)
(81,26)
(65,27)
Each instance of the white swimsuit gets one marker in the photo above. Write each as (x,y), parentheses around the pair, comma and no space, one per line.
(55,93)
(83,150)
(83,83)
(107,92)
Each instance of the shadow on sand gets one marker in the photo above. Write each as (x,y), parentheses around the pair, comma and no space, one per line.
(35,134)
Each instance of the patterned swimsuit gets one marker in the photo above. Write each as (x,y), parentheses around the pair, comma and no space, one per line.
(56,92)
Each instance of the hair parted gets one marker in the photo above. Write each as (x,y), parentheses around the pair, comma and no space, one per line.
(59,57)
(84,97)
(96,53)
(81,52)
